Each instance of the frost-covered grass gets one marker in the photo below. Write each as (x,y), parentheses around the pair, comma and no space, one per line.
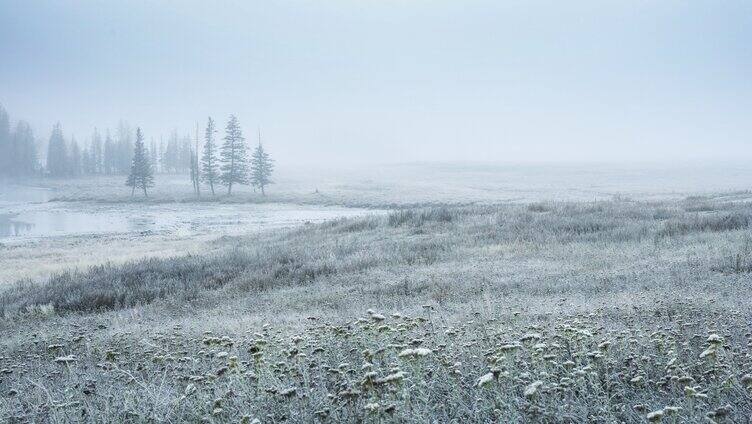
(687,363)
(579,312)
(42,257)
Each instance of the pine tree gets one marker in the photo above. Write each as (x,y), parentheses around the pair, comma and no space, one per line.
(124,148)
(86,166)
(74,164)
(141,173)
(234,156)
(95,153)
(18,150)
(185,154)
(6,159)
(161,155)
(262,167)
(24,150)
(108,156)
(153,156)
(57,154)
(209,171)
(171,154)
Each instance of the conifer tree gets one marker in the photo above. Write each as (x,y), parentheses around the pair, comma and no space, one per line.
(234,156)
(209,165)
(57,153)
(141,173)
(124,148)
(262,167)
(153,156)
(108,158)
(95,153)
(74,162)
(5,143)
(24,150)
(87,168)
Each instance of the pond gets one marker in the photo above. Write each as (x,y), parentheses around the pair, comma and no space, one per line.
(26,213)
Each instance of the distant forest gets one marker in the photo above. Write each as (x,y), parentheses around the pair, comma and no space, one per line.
(126,153)
(102,153)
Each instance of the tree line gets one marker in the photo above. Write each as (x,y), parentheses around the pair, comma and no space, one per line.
(227,165)
(113,155)
(104,154)
(126,153)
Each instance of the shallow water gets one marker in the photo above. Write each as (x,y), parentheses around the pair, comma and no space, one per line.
(26,213)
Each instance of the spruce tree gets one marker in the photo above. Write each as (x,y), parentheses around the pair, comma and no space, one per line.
(108,155)
(261,167)
(74,162)
(185,154)
(141,173)
(234,156)
(153,156)
(25,150)
(95,153)
(6,160)
(18,150)
(57,153)
(124,148)
(209,166)
(87,167)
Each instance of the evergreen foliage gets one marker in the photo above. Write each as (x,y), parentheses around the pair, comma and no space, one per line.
(234,169)
(209,165)
(141,175)
(262,167)
(57,153)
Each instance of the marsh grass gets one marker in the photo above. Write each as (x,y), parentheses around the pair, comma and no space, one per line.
(409,237)
(706,223)
(582,312)
(738,262)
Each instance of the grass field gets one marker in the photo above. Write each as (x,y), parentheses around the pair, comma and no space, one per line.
(600,311)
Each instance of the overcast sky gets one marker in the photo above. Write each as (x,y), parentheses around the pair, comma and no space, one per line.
(395,80)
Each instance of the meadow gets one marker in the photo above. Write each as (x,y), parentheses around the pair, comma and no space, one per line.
(615,310)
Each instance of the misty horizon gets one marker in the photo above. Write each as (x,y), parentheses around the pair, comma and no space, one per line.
(481,82)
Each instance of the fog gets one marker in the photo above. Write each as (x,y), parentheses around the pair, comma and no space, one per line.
(338,83)
(361,211)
